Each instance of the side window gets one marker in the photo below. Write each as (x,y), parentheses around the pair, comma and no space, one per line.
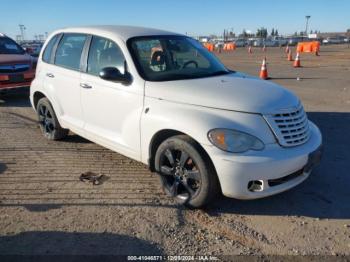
(69,51)
(48,49)
(104,53)
(151,55)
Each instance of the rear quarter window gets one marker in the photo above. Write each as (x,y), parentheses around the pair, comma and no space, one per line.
(48,50)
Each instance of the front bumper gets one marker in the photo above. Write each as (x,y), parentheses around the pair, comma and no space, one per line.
(278,169)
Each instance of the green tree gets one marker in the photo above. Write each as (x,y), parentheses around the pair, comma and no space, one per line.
(273,32)
(276,32)
(262,32)
(258,33)
(243,34)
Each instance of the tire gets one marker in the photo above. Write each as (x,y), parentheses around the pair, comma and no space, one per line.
(186,172)
(49,125)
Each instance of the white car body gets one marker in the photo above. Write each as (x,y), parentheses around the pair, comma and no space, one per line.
(126,118)
(334,40)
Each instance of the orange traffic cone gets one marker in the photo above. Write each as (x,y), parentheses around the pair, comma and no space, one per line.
(287,49)
(250,50)
(290,57)
(263,71)
(297,61)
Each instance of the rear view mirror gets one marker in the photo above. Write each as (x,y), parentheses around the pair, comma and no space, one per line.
(113,74)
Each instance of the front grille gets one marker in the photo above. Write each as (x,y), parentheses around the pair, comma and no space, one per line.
(14,68)
(291,127)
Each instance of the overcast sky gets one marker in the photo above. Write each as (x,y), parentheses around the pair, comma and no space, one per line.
(195,17)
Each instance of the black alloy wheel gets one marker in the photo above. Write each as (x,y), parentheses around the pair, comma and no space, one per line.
(186,172)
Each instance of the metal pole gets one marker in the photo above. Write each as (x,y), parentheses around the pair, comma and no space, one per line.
(307,24)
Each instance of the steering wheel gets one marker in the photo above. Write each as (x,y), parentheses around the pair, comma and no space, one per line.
(190,62)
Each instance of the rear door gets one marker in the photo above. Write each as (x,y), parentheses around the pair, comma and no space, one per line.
(63,79)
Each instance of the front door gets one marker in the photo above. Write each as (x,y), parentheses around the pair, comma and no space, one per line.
(111,110)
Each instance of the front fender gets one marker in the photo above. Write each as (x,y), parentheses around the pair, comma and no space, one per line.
(196,121)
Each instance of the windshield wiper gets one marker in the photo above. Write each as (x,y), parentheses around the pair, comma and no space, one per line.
(174,77)
(189,76)
(221,72)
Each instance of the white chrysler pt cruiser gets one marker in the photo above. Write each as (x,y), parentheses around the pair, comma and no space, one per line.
(162,99)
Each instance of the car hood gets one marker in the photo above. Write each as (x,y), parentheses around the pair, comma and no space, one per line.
(15,59)
(235,91)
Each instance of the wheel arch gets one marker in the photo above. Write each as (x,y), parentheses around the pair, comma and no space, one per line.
(39,94)
(36,97)
(164,134)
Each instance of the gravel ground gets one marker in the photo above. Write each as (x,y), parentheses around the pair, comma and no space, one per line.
(45,209)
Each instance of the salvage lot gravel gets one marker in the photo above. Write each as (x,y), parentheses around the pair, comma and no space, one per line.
(46,209)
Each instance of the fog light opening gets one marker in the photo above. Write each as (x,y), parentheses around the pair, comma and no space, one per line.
(255,186)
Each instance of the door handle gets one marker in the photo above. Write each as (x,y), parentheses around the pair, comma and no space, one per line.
(84,85)
(50,75)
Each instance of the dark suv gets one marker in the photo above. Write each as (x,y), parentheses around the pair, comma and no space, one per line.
(17,68)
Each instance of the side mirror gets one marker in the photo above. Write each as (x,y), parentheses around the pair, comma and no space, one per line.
(113,74)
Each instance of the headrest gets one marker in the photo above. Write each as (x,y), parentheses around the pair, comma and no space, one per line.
(157,58)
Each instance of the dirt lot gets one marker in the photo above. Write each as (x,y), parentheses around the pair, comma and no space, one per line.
(45,209)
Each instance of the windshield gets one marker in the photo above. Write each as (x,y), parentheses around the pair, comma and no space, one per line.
(10,47)
(166,58)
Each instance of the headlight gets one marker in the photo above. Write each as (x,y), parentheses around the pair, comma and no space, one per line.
(234,141)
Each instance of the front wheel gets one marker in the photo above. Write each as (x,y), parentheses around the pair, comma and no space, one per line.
(186,173)
(49,125)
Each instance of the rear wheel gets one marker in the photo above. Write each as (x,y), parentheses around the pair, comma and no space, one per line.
(185,172)
(49,125)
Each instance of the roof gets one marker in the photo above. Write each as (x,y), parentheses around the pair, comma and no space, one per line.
(122,31)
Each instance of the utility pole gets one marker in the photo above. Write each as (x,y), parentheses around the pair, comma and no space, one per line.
(307,23)
(22,28)
(231,32)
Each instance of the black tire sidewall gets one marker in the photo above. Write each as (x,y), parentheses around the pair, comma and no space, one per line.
(207,188)
(58,132)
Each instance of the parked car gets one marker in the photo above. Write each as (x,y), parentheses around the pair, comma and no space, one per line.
(292,41)
(17,68)
(240,42)
(203,128)
(219,44)
(34,50)
(281,41)
(265,42)
(334,40)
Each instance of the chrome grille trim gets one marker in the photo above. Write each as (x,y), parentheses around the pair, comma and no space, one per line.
(290,126)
